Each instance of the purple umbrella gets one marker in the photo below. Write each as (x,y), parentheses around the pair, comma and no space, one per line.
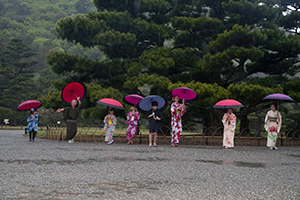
(184,93)
(278,97)
(133,99)
(281,97)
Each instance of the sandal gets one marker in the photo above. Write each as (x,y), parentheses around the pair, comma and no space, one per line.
(173,145)
(154,145)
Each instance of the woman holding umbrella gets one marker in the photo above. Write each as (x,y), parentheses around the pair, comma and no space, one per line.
(32,121)
(133,116)
(71,114)
(177,111)
(229,121)
(273,122)
(110,122)
(132,121)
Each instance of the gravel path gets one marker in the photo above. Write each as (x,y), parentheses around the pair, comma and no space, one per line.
(48,169)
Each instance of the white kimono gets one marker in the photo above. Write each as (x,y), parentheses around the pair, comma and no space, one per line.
(273,122)
(229,130)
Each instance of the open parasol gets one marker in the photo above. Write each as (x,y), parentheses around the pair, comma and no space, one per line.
(72,91)
(145,104)
(184,93)
(228,103)
(278,97)
(27,105)
(111,103)
(133,99)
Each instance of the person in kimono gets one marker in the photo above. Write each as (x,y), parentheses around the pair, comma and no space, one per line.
(110,122)
(154,116)
(32,127)
(273,122)
(229,122)
(70,115)
(132,121)
(177,111)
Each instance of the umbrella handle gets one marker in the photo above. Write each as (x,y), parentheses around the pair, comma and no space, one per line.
(75,95)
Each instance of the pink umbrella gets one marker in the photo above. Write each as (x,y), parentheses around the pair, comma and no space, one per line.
(133,99)
(184,93)
(228,103)
(111,103)
(27,105)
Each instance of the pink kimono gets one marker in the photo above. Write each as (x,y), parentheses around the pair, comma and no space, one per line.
(176,122)
(132,122)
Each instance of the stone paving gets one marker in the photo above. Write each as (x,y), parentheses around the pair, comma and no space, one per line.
(47,169)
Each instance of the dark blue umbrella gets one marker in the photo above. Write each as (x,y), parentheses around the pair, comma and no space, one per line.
(145,104)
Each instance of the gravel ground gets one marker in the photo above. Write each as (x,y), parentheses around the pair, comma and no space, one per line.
(48,169)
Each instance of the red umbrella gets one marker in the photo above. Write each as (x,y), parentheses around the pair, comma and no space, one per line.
(72,91)
(111,103)
(133,99)
(184,93)
(27,105)
(228,103)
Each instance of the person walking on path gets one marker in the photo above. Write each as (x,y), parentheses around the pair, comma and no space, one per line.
(32,121)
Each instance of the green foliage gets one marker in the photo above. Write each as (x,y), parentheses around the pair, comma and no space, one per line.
(254,13)
(51,100)
(16,81)
(195,32)
(292,88)
(250,95)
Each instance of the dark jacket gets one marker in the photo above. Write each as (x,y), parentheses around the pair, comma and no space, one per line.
(154,124)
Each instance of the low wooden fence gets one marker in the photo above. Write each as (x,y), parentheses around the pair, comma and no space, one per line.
(211,136)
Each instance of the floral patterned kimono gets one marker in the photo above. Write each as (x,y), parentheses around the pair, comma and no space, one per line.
(273,122)
(229,130)
(132,122)
(176,122)
(110,122)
